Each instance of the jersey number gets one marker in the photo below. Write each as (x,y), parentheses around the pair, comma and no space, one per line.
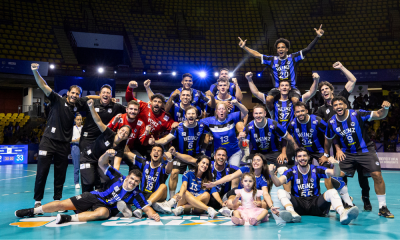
(193,187)
(224,139)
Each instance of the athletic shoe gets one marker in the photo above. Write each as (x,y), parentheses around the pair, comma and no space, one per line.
(138,213)
(63,218)
(211,212)
(172,203)
(237,221)
(384,212)
(178,211)
(290,216)
(38,205)
(123,208)
(367,204)
(162,207)
(24,213)
(77,186)
(348,215)
(225,211)
(254,222)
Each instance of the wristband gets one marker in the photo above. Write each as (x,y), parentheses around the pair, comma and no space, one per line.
(386,107)
(326,155)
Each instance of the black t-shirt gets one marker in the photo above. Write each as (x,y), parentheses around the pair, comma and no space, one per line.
(90,131)
(326,112)
(105,141)
(60,121)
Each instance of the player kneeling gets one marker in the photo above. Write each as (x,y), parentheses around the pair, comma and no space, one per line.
(305,197)
(120,192)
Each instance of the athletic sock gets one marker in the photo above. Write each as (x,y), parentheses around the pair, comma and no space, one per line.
(333,196)
(149,203)
(38,210)
(340,210)
(171,193)
(344,193)
(381,200)
(74,218)
(290,208)
(38,202)
(171,202)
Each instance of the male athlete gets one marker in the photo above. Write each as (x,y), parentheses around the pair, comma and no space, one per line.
(103,205)
(264,134)
(309,132)
(178,109)
(326,112)
(359,150)
(234,89)
(222,128)
(155,174)
(305,197)
(187,138)
(283,66)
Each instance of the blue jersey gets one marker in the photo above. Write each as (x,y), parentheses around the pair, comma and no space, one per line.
(283,69)
(261,181)
(224,133)
(115,192)
(310,134)
(152,177)
(198,97)
(305,185)
(266,138)
(195,184)
(188,140)
(178,113)
(351,131)
(284,112)
(210,111)
(217,175)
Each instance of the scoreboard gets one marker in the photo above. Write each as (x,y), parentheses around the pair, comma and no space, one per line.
(13,154)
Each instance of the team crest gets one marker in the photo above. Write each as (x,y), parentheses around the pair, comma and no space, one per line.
(255,135)
(311,130)
(297,130)
(121,120)
(269,134)
(332,121)
(198,133)
(353,113)
(183,134)
(147,171)
(110,110)
(293,123)
(178,114)
(338,129)
(315,122)
(159,122)
(251,127)
(313,170)
(298,181)
(135,130)
(353,124)
(139,123)
(271,126)
(75,109)
(201,125)
(312,180)
(116,188)
(328,111)
(107,143)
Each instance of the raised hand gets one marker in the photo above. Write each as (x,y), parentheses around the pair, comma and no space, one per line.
(147,83)
(386,104)
(172,150)
(175,125)
(242,43)
(234,102)
(176,93)
(337,65)
(34,66)
(117,117)
(315,76)
(111,152)
(249,76)
(234,80)
(319,31)
(133,84)
(152,141)
(90,103)
(242,135)
(147,131)
(271,168)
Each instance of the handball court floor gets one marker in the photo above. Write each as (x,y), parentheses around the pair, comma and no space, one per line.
(17,183)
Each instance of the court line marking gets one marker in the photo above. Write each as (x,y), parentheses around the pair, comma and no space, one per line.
(18,177)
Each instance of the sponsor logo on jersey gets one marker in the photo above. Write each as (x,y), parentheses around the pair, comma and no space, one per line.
(315,122)
(139,123)
(271,126)
(166,118)
(110,110)
(183,134)
(353,113)
(328,111)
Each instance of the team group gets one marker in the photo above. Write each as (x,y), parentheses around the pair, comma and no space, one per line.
(227,163)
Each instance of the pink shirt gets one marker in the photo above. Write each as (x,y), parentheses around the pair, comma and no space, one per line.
(247,197)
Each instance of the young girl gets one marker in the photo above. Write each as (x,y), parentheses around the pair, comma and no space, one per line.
(250,210)
(193,197)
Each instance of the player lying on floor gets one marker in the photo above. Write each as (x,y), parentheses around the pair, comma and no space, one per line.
(120,190)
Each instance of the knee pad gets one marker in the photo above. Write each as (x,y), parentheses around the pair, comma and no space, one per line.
(331,194)
(281,170)
(338,183)
(283,194)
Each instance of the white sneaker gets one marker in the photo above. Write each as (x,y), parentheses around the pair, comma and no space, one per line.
(77,186)
(162,207)
(172,203)
(290,216)
(123,208)
(212,213)
(225,211)
(348,215)
(138,213)
(178,211)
